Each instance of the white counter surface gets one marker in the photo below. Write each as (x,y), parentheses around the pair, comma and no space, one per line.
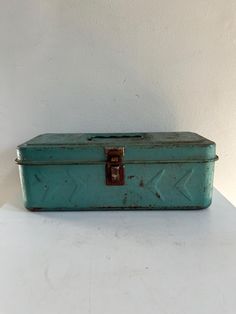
(134,262)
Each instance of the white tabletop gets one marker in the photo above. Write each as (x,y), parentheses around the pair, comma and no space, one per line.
(134,262)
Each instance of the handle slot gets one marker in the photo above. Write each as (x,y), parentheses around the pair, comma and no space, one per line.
(116,137)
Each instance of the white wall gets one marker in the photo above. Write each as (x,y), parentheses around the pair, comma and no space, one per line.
(118,65)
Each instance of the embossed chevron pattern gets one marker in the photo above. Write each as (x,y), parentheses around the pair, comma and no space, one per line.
(181,185)
(67,185)
(77,184)
(153,184)
(42,181)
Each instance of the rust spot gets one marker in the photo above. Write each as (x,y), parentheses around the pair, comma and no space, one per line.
(37,178)
(34,209)
(141,183)
(125,199)
(158,195)
(131,177)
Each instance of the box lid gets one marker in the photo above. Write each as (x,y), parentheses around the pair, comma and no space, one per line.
(77,148)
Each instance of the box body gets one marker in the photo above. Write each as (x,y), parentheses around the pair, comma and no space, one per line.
(117,171)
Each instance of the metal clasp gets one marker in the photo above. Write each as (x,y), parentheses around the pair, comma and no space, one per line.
(114,166)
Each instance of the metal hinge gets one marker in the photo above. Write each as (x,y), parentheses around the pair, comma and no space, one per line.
(114,166)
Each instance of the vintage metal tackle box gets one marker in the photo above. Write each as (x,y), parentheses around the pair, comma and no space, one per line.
(171,170)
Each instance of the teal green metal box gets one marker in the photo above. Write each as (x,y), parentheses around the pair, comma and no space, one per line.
(117,171)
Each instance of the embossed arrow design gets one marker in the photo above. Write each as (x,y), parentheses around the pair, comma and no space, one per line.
(68,185)
(181,185)
(152,185)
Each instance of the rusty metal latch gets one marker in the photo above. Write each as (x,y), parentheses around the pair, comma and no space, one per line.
(114,166)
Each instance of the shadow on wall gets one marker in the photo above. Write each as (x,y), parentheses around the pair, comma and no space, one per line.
(10,191)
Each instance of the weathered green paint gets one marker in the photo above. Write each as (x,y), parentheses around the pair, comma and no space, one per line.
(162,171)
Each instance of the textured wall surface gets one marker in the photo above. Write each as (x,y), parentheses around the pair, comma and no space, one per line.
(80,66)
